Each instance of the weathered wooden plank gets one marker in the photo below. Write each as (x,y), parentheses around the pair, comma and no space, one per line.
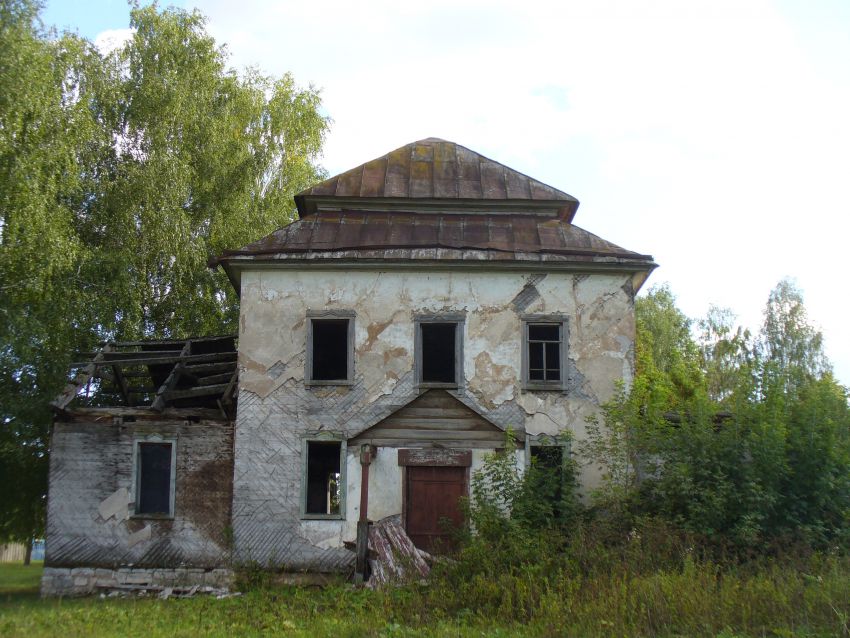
(164,392)
(201,391)
(227,395)
(141,354)
(145,413)
(162,360)
(210,367)
(437,435)
(82,378)
(361,551)
(214,378)
(458,425)
(122,385)
(125,344)
(420,443)
(396,558)
(437,399)
(435,412)
(404,548)
(450,458)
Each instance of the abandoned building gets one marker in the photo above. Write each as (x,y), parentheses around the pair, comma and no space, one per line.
(421,305)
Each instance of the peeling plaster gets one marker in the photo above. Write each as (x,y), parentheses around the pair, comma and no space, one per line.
(494,384)
(276,410)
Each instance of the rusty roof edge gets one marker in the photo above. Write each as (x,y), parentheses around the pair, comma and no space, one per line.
(634,263)
(312,204)
(586,252)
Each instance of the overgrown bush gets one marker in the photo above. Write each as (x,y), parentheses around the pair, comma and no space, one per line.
(744,443)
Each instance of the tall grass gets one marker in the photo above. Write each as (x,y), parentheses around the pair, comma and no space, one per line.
(634,592)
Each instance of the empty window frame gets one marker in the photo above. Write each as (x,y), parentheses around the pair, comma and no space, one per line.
(155,462)
(330,347)
(323,481)
(439,350)
(544,352)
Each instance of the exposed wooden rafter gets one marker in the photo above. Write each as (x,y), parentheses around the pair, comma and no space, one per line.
(156,376)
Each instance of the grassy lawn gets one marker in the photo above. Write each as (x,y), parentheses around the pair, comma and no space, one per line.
(18,582)
(778,604)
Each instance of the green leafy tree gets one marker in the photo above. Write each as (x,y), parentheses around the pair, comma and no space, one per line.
(666,355)
(46,133)
(792,349)
(728,356)
(120,175)
(740,441)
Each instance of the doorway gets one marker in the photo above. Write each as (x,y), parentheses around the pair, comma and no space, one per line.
(432,504)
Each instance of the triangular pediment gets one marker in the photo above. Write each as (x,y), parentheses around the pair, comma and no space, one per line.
(433,419)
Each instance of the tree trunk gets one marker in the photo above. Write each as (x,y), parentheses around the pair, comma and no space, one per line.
(28,552)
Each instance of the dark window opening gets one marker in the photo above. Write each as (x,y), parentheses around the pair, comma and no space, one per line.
(547,474)
(323,477)
(154,484)
(330,349)
(544,352)
(438,352)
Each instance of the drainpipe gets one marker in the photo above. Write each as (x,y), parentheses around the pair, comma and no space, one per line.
(367,453)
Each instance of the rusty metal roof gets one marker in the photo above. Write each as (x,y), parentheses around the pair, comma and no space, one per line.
(376,234)
(435,169)
(435,201)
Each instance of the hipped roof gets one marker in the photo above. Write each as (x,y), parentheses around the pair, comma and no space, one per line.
(436,170)
(435,202)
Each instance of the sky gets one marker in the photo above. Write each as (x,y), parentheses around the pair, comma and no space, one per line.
(713,135)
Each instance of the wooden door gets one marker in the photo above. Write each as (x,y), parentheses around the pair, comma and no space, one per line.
(432,503)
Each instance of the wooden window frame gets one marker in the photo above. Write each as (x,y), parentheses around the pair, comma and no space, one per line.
(137,470)
(319,315)
(457,318)
(545,386)
(323,437)
(548,440)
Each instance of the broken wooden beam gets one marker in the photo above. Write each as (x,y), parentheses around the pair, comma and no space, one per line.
(200,391)
(171,380)
(396,558)
(80,379)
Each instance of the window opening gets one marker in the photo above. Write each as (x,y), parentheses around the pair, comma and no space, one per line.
(330,349)
(154,479)
(544,352)
(438,352)
(547,473)
(323,477)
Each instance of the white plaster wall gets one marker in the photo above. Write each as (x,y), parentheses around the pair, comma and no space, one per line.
(276,410)
(385,485)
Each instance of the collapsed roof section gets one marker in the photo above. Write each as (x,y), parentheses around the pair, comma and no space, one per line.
(179,377)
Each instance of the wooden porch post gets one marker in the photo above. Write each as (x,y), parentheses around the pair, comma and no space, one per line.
(366,453)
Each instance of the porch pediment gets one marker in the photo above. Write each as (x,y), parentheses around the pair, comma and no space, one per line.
(434,419)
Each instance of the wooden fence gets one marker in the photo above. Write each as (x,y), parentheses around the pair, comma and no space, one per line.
(12,553)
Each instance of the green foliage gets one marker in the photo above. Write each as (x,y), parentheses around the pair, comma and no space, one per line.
(645,586)
(666,355)
(743,442)
(120,175)
(507,498)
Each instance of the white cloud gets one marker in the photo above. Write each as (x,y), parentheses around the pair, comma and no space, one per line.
(712,134)
(112,39)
